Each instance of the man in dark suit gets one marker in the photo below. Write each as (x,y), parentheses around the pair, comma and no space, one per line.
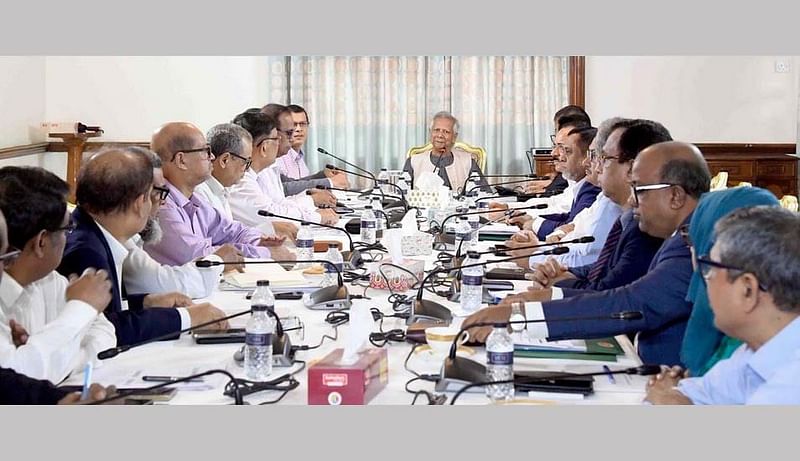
(667,181)
(628,252)
(18,389)
(114,201)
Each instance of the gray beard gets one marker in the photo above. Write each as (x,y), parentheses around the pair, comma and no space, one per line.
(152,231)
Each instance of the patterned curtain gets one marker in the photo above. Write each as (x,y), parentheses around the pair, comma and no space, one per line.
(371,110)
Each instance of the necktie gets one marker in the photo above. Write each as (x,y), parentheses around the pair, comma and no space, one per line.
(599,266)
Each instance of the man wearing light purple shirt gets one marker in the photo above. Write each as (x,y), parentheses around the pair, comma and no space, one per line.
(192,227)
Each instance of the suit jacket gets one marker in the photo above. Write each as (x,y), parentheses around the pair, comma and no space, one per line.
(631,258)
(660,296)
(87,247)
(557,186)
(297,186)
(17,389)
(583,199)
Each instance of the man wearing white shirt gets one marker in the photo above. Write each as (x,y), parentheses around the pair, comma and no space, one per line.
(49,326)
(261,187)
(143,274)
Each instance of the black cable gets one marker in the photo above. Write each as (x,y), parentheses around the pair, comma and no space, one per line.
(381,338)
(324,337)
(433,399)
(471,385)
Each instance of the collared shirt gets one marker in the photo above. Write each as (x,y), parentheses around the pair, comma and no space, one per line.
(556,206)
(596,221)
(63,335)
(767,376)
(293,164)
(264,191)
(194,229)
(559,203)
(120,253)
(143,274)
(216,194)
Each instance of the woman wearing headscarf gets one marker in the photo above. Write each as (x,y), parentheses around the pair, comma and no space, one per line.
(704,345)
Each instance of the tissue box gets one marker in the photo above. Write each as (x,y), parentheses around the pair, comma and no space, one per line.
(417,244)
(332,383)
(399,280)
(429,198)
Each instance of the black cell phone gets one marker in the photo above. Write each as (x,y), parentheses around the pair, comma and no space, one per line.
(229,336)
(498,285)
(159,395)
(506,274)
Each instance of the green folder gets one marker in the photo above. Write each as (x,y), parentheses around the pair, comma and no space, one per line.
(602,350)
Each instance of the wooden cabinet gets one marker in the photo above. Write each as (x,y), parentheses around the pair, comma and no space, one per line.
(771,166)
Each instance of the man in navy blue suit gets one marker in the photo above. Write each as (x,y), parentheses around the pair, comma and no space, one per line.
(628,252)
(667,181)
(114,190)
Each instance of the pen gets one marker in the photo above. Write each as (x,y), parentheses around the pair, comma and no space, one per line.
(610,376)
(167,379)
(87,380)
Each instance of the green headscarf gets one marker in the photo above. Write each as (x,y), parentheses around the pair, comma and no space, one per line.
(703,344)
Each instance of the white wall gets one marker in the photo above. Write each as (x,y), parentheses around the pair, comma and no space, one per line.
(131,96)
(699,99)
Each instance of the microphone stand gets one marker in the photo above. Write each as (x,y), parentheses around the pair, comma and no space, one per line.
(354,257)
(530,177)
(237,394)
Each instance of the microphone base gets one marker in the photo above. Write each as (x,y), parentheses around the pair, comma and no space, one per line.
(429,311)
(328,298)
(282,355)
(458,372)
(353,259)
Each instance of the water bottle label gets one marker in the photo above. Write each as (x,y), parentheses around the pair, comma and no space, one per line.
(475,224)
(368,224)
(464,235)
(258,339)
(483,205)
(500,358)
(330,269)
(473,280)
(304,243)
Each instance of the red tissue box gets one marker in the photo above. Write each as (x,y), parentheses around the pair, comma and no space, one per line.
(332,383)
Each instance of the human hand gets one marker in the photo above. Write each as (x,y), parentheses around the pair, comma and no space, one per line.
(271,240)
(286,229)
(322,197)
(499,313)
(231,254)
(537,186)
(92,287)
(206,312)
(520,219)
(661,389)
(96,393)
(173,299)
(19,335)
(328,216)
(546,273)
(338,178)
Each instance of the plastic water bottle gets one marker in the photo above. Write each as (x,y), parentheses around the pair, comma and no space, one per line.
(471,284)
(499,363)
(404,183)
(334,257)
(383,180)
(463,240)
(368,226)
(474,222)
(378,206)
(258,334)
(305,245)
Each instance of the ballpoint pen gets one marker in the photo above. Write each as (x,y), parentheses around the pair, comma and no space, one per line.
(166,379)
(87,380)
(610,376)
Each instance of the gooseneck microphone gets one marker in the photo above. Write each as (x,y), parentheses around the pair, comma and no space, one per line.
(322,298)
(499,184)
(372,176)
(425,309)
(463,370)
(355,255)
(237,394)
(529,176)
(524,381)
(540,206)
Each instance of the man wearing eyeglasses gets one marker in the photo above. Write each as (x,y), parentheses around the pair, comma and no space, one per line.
(667,181)
(49,326)
(751,278)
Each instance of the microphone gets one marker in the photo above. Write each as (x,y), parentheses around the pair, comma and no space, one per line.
(323,298)
(336,168)
(584,239)
(525,380)
(499,184)
(369,192)
(530,177)
(354,258)
(425,309)
(237,394)
(460,370)
(539,206)
(372,176)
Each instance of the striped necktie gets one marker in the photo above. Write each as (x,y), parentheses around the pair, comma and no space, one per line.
(599,267)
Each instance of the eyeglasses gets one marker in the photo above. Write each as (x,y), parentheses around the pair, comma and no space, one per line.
(301,125)
(10,257)
(553,139)
(683,231)
(275,139)
(247,161)
(67,229)
(648,187)
(286,132)
(206,149)
(564,149)
(607,158)
(163,192)
(705,264)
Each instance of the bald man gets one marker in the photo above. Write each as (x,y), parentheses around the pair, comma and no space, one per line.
(192,227)
(667,181)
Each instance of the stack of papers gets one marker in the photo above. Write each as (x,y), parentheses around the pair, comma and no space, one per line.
(522,342)
(277,276)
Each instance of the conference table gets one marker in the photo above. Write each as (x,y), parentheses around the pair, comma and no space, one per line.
(183,357)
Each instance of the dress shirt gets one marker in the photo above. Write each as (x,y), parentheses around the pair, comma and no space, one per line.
(767,376)
(293,164)
(120,253)
(264,191)
(565,199)
(596,221)
(194,229)
(63,335)
(143,274)
(217,195)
